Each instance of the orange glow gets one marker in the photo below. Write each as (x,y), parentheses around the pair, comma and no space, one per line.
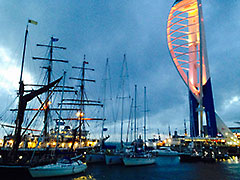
(183,36)
(46,105)
(79,114)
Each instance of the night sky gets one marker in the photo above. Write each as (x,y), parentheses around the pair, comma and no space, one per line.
(109,29)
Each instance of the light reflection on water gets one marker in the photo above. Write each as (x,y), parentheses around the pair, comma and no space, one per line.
(88,177)
(166,168)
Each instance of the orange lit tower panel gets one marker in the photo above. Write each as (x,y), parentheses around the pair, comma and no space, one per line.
(187,46)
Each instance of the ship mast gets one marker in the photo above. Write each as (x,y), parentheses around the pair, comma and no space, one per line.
(123,82)
(58,122)
(49,74)
(104,95)
(82,102)
(20,115)
(82,110)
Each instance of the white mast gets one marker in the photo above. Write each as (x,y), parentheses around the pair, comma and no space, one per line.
(123,93)
(145,114)
(135,114)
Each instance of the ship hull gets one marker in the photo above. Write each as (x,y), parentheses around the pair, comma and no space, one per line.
(54,170)
(138,161)
(95,158)
(189,158)
(113,159)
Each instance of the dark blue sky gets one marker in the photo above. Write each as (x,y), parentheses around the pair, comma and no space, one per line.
(109,29)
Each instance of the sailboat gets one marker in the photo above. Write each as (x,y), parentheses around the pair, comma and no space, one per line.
(98,155)
(65,166)
(139,160)
(139,156)
(115,156)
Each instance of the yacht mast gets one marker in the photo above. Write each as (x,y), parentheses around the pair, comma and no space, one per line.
(130,122)
(124,76)
(123,84)
(135,114)
(145,115)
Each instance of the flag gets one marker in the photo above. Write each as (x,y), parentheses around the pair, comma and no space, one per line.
(32,22)
(55,39)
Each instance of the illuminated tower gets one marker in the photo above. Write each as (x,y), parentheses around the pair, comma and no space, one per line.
(187,46)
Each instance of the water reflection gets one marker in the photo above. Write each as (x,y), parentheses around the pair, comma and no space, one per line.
(169,168)
(88,177)
(232,160)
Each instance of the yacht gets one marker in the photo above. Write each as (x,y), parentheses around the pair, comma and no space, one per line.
(164,151)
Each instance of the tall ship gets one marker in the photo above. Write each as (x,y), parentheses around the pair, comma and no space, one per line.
(57,127)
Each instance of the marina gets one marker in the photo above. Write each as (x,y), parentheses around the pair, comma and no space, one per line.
(70,116)
(165,168)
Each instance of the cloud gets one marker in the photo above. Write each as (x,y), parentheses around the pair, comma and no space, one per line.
(9,72)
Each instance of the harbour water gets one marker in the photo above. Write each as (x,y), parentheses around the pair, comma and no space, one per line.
(166,168)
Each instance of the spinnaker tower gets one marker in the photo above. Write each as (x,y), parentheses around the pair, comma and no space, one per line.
(187,46)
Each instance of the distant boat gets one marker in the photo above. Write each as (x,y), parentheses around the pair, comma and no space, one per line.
(194,156)
(97,155)
(62,168)
(139,159)
(190,157)
(164,151)
(112,155)
(138,156)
